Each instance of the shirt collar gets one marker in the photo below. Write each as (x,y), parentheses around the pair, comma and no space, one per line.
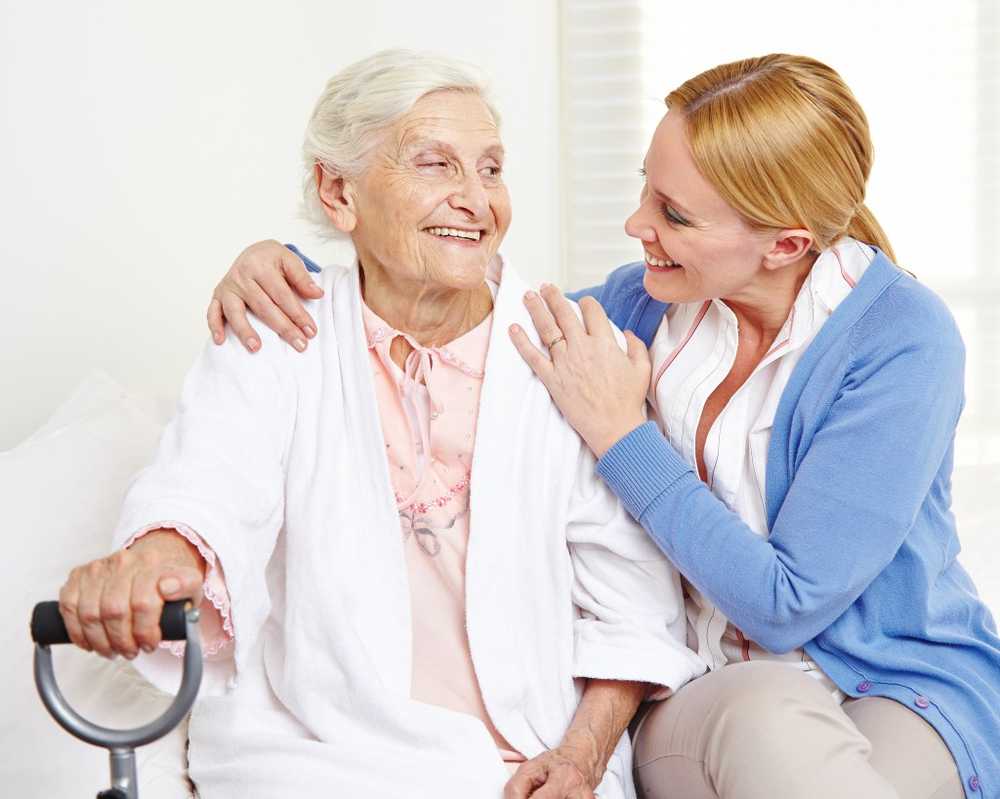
(835,272)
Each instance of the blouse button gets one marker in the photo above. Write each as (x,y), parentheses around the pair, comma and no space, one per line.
(864,686)
(435,415)
(974,783)
(922,702)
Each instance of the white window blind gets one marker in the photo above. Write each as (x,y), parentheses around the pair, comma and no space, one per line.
(928,76)
(605,132)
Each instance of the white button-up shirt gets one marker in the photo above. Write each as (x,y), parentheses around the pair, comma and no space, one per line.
(693,351)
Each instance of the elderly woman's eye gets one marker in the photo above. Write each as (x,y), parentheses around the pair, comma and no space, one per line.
(492,171)
(440,164)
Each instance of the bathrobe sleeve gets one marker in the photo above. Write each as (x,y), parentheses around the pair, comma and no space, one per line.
(632,623)
(219,468)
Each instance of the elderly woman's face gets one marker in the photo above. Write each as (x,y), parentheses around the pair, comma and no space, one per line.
(432,206)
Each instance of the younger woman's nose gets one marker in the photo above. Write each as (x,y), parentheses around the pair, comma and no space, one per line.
(637,229)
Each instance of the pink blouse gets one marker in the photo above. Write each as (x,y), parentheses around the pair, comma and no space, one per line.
(428,410)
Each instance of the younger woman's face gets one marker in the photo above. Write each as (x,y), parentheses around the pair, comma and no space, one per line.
(696,245)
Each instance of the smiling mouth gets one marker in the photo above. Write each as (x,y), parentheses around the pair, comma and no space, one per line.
(456,234)
(660,264)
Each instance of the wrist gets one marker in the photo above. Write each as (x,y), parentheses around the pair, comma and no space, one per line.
(607,438)
(167,545)
(586,755)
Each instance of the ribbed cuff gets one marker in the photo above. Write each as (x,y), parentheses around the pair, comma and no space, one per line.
(640,467)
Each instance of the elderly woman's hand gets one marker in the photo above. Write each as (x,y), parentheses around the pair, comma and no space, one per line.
(600,389)
(113,604)
(263,278)
(556,774)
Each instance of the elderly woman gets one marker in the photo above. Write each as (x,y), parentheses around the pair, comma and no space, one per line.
(798,471)
(391,631)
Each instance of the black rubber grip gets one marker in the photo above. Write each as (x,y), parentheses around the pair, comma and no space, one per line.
(47,626)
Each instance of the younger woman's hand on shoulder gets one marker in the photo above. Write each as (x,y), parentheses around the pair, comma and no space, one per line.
(600,389)
(265,277)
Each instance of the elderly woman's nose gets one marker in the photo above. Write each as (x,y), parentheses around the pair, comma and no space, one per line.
(471,196)
(638,228)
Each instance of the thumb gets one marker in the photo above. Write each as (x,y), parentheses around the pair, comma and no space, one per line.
(181,582)
(298,276)
(637,352)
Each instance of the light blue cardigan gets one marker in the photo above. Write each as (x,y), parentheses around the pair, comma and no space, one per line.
(859,568)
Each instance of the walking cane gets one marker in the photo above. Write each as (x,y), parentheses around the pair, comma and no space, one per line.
(178,622)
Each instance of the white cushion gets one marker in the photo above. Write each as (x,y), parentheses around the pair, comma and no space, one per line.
(60,495)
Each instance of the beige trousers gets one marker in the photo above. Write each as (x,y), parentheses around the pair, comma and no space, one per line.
(762,730)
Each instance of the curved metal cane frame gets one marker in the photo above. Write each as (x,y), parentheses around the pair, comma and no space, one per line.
(122,743)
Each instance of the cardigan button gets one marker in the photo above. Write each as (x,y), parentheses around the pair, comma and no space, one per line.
(922,702)
(864,686)
(973,783)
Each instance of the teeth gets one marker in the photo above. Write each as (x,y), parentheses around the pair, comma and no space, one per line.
(652,261)
(472,235)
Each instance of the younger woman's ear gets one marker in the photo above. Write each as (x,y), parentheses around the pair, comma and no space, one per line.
(336,195)
(789,248)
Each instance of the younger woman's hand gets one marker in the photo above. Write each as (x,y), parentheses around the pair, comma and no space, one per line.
(600,389)
(265,278)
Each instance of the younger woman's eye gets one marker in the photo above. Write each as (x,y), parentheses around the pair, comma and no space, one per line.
(672,216)
(642,172)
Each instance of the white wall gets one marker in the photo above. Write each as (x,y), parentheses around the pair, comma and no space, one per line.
(143,145)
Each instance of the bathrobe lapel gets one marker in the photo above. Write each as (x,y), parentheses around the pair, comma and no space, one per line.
(375,577)
(494,587)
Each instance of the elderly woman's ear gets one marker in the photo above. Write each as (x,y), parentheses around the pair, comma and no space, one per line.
(336,193)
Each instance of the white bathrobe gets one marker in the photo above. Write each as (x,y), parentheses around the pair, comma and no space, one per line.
(277,460)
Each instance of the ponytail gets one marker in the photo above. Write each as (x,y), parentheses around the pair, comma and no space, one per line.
(865,227)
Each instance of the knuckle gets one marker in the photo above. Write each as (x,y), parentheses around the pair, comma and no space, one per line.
(114,610)
(143,605)
(89,616)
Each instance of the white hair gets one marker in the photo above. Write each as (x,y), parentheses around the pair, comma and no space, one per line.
(364,99)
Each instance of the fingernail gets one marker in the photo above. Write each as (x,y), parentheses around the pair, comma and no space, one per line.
(309,331)
(170,585)
(529,295)
(515,328)
(147,648)
(217,337)
(299,344)
(253,345)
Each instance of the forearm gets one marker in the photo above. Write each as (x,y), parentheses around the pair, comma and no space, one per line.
(604,713)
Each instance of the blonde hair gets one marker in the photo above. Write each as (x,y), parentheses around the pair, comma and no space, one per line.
(364,99)
(784,141)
